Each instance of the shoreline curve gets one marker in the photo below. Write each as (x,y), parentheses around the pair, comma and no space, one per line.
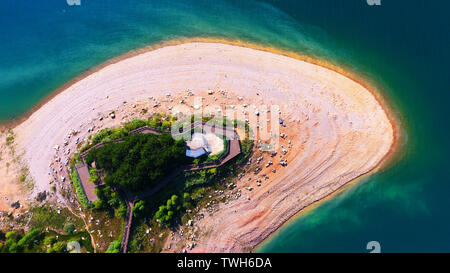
(388,158)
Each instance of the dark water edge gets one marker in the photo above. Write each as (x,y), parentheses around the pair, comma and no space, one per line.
(400,45)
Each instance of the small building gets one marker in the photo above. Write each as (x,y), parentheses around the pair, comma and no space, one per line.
(195,152)
(197,146)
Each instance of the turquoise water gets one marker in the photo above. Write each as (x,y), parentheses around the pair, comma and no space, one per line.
(400,45)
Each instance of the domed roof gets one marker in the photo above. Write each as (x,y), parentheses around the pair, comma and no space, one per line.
(198,141)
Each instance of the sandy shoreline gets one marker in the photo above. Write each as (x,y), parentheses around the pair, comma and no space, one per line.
(347,116)
(365,82)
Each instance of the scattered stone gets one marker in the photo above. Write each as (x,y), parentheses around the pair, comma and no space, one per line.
(15,205)
(41,196)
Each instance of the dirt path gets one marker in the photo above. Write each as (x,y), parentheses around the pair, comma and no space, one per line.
(81,216)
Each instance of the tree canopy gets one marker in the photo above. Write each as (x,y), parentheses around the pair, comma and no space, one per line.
(139,160)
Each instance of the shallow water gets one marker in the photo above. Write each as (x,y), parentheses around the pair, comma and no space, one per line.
(400,45)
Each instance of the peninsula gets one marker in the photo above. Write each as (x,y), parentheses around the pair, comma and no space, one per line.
(333,130)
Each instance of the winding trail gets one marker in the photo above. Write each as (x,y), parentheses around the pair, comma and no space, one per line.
(131,199)
(94,246)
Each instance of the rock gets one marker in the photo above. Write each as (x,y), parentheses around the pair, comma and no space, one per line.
(15,205)
(41,196)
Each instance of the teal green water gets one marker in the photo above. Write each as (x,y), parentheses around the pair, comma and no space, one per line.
(401,45)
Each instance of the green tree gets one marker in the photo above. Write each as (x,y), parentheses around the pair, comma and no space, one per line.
(9,242)
(49,240)
(169,204)
(139,208)
(166,125)
(120,211)
(187,201)
(69,228)
(11,235)
(134,124)
(139,161)
(28,239)
(114,247)
(155,122)
(58,247)
(93,175)
(174,200)
(15,248)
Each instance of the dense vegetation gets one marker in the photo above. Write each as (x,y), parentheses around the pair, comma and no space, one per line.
(157,121)
(110,199)
(36,241)
(173,207)
(134,164)
(138,161)
(114,247)
(158,215)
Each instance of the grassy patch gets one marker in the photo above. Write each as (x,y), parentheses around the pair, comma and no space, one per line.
(81,195)
(105,228)
(36,241)
(9,140)
(23,177)
(48,217)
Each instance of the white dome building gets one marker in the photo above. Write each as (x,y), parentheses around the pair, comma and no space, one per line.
(197,146)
